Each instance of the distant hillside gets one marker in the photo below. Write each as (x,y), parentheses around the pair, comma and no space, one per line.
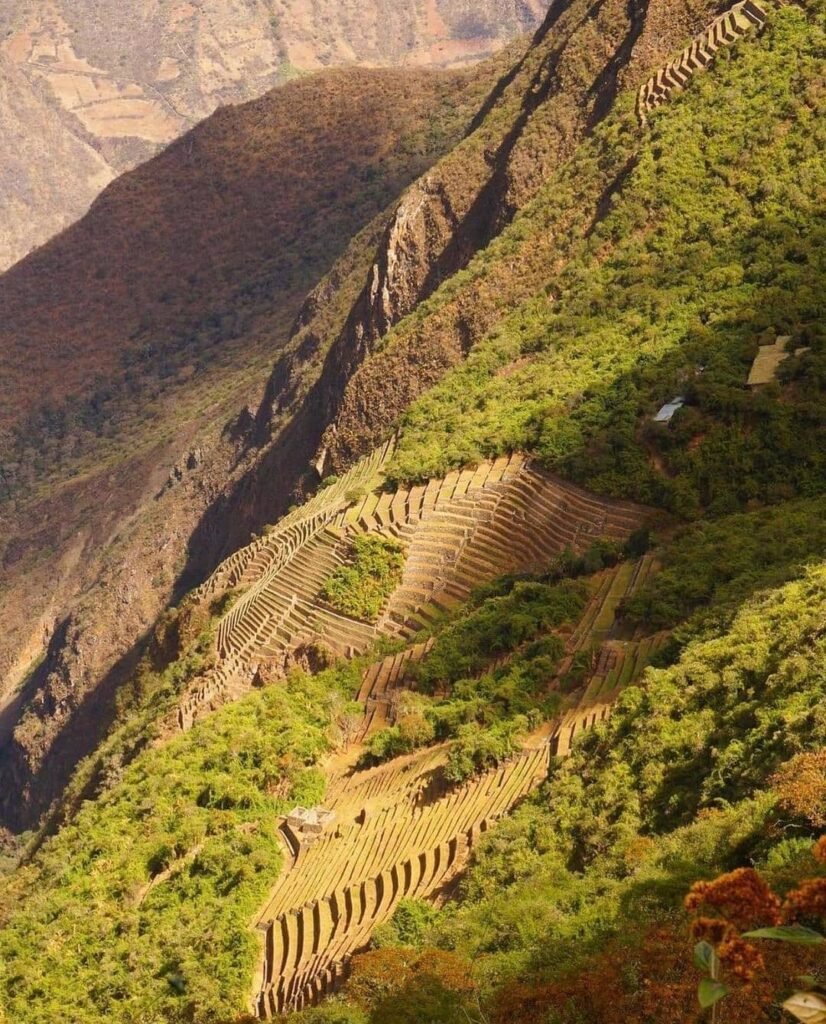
(107,85)
(128,342)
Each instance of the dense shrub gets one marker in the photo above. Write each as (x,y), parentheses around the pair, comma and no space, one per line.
(477,749)
(497,626)
(82,926)
(712,241)
(361,588)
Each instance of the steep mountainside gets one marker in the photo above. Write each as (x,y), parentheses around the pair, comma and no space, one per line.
(529,123)
(106,86)
(129,342)
(506,701)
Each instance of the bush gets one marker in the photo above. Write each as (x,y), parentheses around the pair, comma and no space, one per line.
(410,923)
(476,749)
(499,625)
(360,589)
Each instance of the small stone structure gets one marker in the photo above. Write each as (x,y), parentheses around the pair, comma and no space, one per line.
(308,823)
(723,31)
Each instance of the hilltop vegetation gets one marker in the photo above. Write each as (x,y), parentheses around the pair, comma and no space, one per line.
(141,906)
(360,588)
(712,235)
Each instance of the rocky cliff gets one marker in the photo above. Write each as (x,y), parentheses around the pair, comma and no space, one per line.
(133,340)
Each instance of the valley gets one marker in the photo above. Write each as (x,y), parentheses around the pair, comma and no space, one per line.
(459,652)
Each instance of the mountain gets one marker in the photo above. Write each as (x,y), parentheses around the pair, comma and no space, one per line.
(487,683)
(104,88)
(130,341)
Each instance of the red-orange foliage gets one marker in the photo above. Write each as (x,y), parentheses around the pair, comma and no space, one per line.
(801,786)
(807,901)
(645,978)
(380,972)
(649,980)
(742,897)
(742,959)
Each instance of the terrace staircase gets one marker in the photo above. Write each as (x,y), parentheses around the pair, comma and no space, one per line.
(503,516)
(402,831)
(723,31)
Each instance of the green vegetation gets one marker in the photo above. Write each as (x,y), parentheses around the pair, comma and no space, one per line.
(710,568)
(360,589)
(408,926)
(140,908)
(413,729)
(673,788)
(706,733)
(486,712)
(498,626)
(713,236)
(709,238)
(479,748)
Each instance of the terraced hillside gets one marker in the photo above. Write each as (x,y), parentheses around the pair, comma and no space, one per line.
(617,660)
(723,31)
(401,830)
(500,517)
(222,466)
(519,716)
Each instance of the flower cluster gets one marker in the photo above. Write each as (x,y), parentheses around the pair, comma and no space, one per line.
(807,901)
(742,900)
(741,897)
(742,959)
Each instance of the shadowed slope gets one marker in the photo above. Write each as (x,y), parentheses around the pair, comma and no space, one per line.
(111,83)
(164,307)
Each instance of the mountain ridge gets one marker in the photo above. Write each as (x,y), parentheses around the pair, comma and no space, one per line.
(109,88)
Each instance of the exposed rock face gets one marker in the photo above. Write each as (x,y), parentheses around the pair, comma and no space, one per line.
(557,93)
(186,276)
(341,382)
(106,84)
(581,55)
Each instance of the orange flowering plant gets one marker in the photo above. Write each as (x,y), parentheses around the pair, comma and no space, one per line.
(736,914)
